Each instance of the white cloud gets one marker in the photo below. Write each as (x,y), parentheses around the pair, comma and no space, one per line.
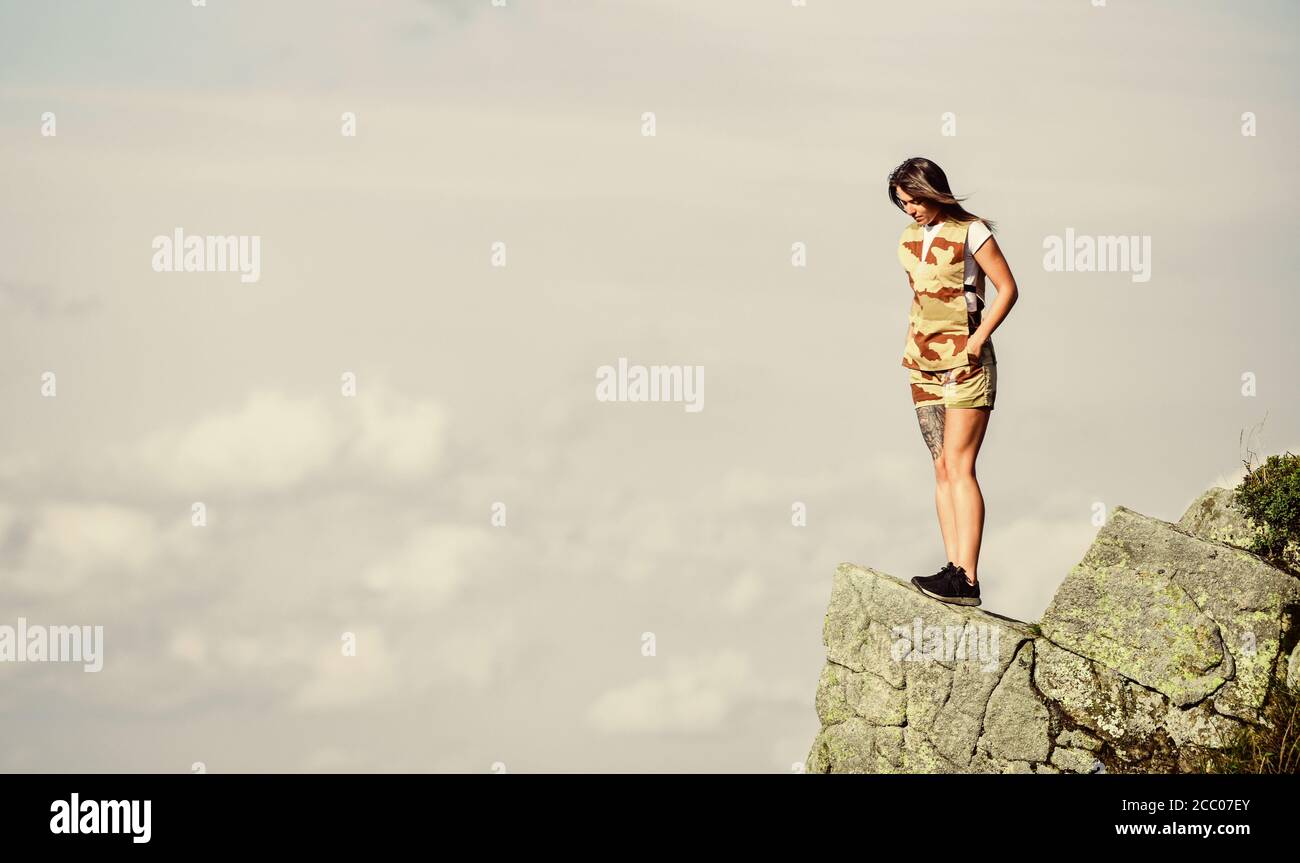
(350,681)
(1024,561)
(430,568)
(61,546)
(272,442)
(696,695)
(398,437)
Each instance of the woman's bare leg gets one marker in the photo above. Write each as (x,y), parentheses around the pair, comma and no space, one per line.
(963,433)
(931,418)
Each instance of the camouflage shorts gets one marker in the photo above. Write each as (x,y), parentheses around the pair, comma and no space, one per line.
(962,387)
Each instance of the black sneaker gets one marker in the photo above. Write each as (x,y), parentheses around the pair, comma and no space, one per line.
(921,582)
(955,589)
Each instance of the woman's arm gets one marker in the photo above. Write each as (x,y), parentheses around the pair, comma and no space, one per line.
(990,259)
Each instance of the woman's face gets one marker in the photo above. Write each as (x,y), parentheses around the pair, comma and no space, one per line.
(924,213)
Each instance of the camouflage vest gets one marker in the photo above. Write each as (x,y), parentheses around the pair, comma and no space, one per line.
(940,322)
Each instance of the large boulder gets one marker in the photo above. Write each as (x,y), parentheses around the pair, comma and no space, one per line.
(913,685)
(1216,517)
(1189,618)
(1161,643)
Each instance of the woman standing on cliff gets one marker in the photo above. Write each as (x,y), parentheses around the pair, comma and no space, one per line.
(946,252)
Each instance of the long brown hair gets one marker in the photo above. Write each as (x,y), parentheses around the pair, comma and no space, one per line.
(925,181)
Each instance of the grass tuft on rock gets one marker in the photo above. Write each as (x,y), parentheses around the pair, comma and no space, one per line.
(1270,496)
(1272,747)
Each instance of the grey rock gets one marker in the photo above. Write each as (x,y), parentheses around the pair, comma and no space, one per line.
(1072,760)
(896,659)
(1017,720)
(1215,517)
(1184,616)
(1079,739)
(1293,669)
(1159,644)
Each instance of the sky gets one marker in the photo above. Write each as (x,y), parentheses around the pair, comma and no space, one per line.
(532,579)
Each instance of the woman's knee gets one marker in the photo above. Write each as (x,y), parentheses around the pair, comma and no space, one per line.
(941,469)
(958,468)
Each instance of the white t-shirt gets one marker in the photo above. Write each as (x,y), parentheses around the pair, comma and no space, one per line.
(976,234)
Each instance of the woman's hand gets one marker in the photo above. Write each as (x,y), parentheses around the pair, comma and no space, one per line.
(974,347)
